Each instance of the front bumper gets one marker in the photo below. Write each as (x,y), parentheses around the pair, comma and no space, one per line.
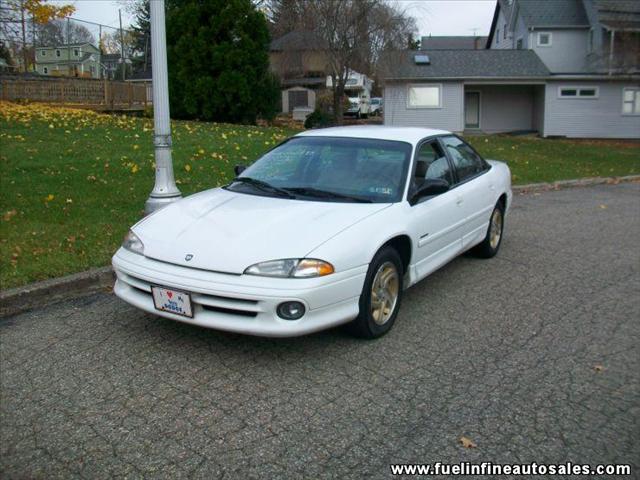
(241,303)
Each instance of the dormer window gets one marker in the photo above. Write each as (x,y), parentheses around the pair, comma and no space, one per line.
(544,39)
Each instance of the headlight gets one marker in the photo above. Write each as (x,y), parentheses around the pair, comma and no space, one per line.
(291,267)
(132,243)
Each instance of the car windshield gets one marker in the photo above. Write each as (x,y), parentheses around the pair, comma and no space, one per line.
(330,169)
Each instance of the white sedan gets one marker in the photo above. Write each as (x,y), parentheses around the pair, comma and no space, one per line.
(327,228)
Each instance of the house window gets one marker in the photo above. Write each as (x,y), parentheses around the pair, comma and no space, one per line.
(57,53)
(76,52)
(631,101)
(504,32)
(519,44)
(544,39)
(43,53)
(578,92)
(424,96)
(497,36)
(45,70)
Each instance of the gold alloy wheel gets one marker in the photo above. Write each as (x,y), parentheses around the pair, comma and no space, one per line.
(384,293)
(495,229)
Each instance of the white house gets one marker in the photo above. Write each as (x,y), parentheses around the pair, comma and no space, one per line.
(560,68)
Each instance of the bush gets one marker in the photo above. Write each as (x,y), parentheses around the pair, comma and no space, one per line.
(319,119)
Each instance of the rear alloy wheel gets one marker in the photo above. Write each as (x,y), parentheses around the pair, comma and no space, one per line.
(491,243)
(381,295)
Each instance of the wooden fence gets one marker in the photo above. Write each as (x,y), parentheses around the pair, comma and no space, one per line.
(81,92)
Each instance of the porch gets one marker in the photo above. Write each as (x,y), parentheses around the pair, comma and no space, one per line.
(502,108)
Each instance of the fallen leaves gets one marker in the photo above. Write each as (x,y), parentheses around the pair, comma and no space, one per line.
(467,442)
(599,368)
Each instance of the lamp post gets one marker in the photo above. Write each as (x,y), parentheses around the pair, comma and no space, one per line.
(164,190)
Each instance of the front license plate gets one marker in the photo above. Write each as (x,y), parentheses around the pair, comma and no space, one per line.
(172,301)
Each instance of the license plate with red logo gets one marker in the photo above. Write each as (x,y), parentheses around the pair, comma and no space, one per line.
(172,301)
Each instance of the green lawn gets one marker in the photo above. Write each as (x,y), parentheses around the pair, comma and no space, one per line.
(73,181)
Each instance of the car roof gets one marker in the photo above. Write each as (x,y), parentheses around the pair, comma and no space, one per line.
(405,134)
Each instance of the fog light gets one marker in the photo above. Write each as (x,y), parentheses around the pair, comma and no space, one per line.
(290,310)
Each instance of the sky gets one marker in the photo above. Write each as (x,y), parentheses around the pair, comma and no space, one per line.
(435,17)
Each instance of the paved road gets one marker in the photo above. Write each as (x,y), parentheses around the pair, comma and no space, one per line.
(501,351)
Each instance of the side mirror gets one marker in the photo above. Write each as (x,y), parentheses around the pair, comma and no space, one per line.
(429,187)
(238,169)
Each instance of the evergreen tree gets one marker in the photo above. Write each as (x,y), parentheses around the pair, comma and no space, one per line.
(218,61)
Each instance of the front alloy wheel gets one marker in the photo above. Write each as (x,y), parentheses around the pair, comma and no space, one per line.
(381,295)
(492,240)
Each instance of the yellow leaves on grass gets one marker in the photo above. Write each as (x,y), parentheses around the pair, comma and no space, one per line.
(49,197)
(9,214)
(187,167)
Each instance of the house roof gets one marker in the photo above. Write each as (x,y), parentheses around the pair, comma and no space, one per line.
(618,14)
(543,13)
(297,40)
(452,64)
(452,43)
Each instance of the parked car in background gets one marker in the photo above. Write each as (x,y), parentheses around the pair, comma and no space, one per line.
(327,228)
(376,106)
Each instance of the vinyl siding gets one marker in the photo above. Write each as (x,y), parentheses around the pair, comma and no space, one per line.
(567,53)
(504,108)
(448,117)
(589,118)
(498,41)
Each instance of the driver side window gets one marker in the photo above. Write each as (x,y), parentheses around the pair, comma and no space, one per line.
(431,163)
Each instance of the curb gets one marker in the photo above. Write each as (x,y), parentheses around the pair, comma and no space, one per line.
(582,182)
(39,294)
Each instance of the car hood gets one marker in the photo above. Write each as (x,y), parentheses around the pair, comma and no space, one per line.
(226,231)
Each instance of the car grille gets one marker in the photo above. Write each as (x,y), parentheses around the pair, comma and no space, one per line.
(215,303)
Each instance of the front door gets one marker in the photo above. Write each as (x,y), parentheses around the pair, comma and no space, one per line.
(437,222)
(472,110)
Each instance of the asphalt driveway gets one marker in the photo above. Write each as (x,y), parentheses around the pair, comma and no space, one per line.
(534,356)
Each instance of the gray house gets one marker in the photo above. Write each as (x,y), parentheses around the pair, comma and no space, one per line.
(561,68)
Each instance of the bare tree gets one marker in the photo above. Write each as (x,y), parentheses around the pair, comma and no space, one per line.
(353,33)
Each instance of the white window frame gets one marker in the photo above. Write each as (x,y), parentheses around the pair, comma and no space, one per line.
(76,52)
(577,96)
(424,85)
(43,53)
(544,45)
(636,91)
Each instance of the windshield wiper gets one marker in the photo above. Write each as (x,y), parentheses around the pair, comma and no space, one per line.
(315,192)
(263,186)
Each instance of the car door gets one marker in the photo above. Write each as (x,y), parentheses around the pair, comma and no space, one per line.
(436,221)
(473,188)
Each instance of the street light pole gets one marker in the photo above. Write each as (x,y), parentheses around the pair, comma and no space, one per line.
(165,190)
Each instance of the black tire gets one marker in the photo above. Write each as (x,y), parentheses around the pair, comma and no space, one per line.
(365,325)
(489,248)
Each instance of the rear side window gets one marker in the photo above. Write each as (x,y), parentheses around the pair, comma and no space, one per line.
(466,162)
